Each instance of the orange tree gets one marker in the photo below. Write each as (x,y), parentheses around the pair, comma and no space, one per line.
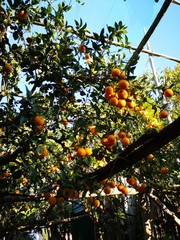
(69,106)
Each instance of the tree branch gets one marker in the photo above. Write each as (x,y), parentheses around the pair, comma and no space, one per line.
(164,208)
(130,157)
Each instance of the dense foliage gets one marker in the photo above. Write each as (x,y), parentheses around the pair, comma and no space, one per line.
(62,113)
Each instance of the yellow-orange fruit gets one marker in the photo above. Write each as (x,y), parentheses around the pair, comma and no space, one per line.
(8,67)
(93,130)
(122,94)
(116,72)
(96,203)
(111,139)
(132,181)
(112,184)
(130,104)
(41,152)
(5,174)
(52,201)
(120,186)
(141,188)
(88,151)
(107,190)
(81,48)
(81,152)
(108,96)
(39,120)
(87,56)
(113,101)
(109,90)
(164,170)
(168,92)
(123,84)
(22,15)
(125,141)
(104,141)
(121,134)
(163,114)
(121,103)
(124,190)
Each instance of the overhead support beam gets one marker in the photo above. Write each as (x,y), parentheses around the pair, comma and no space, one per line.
(176,2)
(150,31)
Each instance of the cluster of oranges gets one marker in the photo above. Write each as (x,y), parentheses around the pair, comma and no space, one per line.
(119,96)
(83,152)
(82,49)
(139,187)
(110,140)
(168,93)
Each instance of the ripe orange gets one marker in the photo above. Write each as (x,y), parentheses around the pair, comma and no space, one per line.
(88,151)
(39,120)
(132,181)
(120,186)
(128,134)
(150,156)
(121,134)
(164,170)
(111,139)
(130,104)
(121,103)
(17,191)
(104,141)
(24,181)
(93,130)
(168,92)
(22,15)
(124,190)
(8,67)
(113,101)
(107,190)
(123,84)
(41,151)
(109,90)
(87,56)
(163,114)
(52,201)
(125,141)
(112,184)
(96,203)
(81,152)
(5,174)
(108,96)
(116,72)
(81,48)
(141,188)
(122,94)
(139,108)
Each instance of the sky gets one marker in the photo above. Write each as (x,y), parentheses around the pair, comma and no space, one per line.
(137,15)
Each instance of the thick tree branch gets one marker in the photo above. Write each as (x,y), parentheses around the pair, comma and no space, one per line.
(130,157)
(164,208)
